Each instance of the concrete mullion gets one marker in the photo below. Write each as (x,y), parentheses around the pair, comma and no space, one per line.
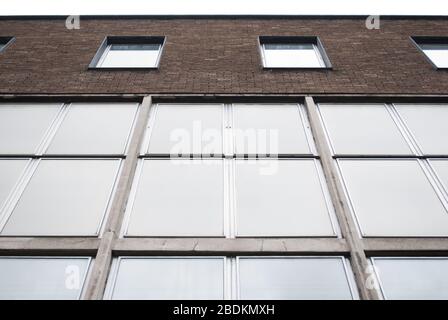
(358,259)
(97,281)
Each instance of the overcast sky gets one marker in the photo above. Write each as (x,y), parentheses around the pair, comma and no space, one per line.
(362,7)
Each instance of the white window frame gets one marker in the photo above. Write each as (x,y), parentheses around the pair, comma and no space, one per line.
(375,269)
(58,122)
(85,279)
(29,173)
(108,48)
(231,276)
(316,49)
(228,135)
(432,180)
(229,211)
(112,278)
(395,118)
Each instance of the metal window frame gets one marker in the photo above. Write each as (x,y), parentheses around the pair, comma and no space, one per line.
(395,120)
(315,41)
(25,181)
(431,180)
(418,40)
(59,122)
(85,278)
(325,194)
(133,194)
(411,135)
(104,48)
(377,273)
(115,268)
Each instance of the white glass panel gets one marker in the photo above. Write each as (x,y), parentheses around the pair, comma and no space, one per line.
(179,198)
(123,57)
(363,129)
(428,124)
(101,128)
(22,126)
(42,278)
(441,168)
(186,129)
(269,129)
(280,198)
(293,278)
(292,56)
(413,278)
(64,197)
(394,198)
(438,53)
(10,172)
(169,279)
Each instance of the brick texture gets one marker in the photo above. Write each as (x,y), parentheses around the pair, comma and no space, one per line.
(220,56)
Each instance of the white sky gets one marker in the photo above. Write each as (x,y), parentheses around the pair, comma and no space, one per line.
(130,7)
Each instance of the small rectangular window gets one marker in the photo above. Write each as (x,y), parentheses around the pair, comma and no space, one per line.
(393,197)
(36,278)
(281,198)
(64,197)
(293,52)
(169,278)
(362,129)
(176,197)
(435,49)
(412,278)
(129,52)
(294,278)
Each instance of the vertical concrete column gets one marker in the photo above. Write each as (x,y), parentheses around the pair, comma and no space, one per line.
(97,281)
(358,258)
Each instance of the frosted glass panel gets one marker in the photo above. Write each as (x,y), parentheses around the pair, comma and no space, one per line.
(64,197)
(293,278)
(179,198)
(438,53)
(129,56)
(23,126)
(42,278)
(101,128)
(413,278)
(169,279)
(428,124)
(393,198)
(441,168)
(10,172)
(269,129)
(186,129)
(363,129)
(280,198)
(292,56)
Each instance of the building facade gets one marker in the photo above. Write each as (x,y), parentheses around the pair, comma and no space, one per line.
(263,157)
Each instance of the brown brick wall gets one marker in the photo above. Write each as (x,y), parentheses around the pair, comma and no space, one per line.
(221,56)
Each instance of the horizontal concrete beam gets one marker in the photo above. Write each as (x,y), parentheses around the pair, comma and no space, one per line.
(406,246)
(49,245)
(223,246)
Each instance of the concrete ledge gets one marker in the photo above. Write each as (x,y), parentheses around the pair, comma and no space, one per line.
(222,246)
(48,246)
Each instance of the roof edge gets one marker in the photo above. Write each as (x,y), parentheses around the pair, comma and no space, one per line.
(230,16)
